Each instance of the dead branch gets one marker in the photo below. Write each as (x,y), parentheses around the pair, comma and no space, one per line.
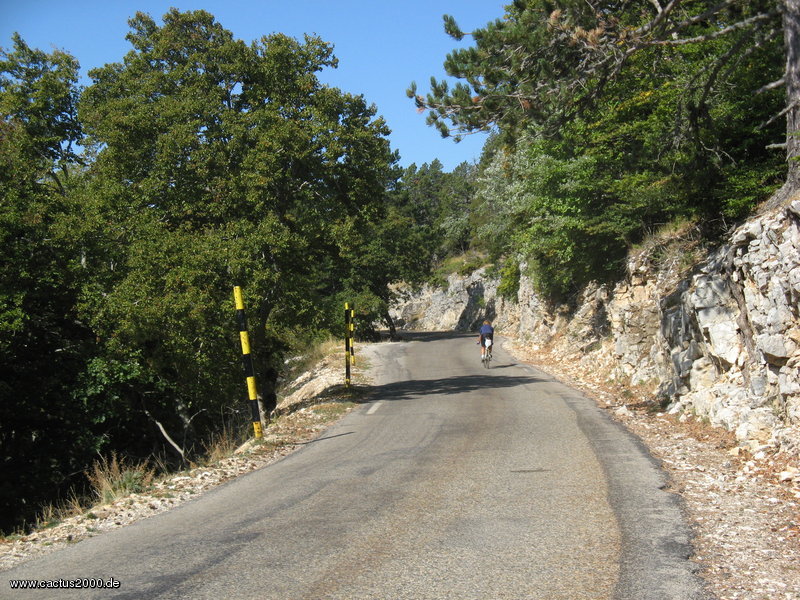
(771,86)
(167,437)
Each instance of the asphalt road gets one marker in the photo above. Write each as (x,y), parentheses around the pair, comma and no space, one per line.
(453,482)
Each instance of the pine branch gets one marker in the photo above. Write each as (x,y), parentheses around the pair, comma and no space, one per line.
(660,18)
(783,113)
(714,35)
(721,62)
(702,17)
(771,86)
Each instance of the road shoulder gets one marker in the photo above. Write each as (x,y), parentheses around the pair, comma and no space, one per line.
(742,507)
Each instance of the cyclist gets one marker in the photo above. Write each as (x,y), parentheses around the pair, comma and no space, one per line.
(487,333)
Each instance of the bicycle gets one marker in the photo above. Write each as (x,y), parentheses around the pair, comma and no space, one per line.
(486,359)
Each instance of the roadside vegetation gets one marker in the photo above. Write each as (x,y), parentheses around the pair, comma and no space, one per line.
(116,481)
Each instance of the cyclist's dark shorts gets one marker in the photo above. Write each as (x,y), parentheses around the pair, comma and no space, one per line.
(486,336)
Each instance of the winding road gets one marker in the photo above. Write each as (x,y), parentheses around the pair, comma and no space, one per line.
(453,481)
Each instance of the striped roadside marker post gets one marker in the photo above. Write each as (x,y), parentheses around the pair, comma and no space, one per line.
(247,362)
(347,344)
(352,336)
(349,351)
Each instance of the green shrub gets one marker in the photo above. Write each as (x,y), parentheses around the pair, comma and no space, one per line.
(509,281)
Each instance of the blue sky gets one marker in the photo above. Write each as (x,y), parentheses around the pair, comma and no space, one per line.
(381,45)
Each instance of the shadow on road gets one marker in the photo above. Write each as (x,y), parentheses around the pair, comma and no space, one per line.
(327,437)
(428,336)
(406,390)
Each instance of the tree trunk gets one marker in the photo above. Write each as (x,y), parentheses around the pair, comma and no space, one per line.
(268,398)
(791,33)
(392,330)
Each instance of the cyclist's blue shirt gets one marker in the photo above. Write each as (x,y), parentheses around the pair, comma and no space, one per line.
(487,330)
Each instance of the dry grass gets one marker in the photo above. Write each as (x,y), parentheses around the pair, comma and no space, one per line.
(312,356)
(676,246)
(53,514)
(116,478)
(222,444)
(110,480)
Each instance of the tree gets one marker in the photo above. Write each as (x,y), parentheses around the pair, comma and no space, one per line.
(39,113)
(456,210)
(219,163)
(438,203)
(547,61)
(208,163)
(44,437)
(612,118)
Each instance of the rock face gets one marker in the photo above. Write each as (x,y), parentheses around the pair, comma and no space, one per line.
(719,338)
(460,307)
(732,334)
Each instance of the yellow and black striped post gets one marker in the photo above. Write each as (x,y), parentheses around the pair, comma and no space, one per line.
(352,336)
(247,361)
(347,344)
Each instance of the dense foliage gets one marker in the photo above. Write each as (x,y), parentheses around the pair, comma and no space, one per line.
(44,436)
(611,119)
(438,204)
